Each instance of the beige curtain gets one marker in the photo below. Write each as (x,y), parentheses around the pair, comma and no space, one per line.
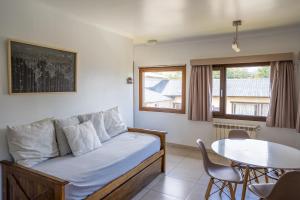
(282,106)
(298,116)
(200,93)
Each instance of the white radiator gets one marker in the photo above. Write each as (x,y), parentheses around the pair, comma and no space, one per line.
(221,129)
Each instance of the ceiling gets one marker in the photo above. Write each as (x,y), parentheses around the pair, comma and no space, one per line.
(169,20)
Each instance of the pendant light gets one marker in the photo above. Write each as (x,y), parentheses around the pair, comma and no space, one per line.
(235,44)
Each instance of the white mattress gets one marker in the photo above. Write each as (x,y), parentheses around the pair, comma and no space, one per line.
(89,172)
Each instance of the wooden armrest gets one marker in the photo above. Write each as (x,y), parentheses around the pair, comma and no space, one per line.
(34,174)
(160,134)
(20,182)
(149,131)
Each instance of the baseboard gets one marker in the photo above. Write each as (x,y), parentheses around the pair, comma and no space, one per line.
(186,147)
(182,146)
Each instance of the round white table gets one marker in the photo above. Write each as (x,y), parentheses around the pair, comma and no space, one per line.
(259,153)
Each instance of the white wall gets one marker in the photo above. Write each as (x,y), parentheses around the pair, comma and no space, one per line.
(105,61)
(183,131)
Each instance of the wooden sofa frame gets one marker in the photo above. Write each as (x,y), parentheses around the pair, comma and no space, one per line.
(19,182)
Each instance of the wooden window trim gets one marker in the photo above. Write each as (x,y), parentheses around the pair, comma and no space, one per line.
(222,113)
(161,69)
(241,117)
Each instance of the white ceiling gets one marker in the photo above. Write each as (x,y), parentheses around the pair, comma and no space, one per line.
(167,20)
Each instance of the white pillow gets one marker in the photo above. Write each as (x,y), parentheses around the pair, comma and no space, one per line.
(62,141)
(98,122)
(82,138)
(113,122)
(32,143)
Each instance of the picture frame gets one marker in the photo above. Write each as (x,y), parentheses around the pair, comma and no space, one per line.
(35,68)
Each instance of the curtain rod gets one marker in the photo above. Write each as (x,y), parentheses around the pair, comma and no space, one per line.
(244,59)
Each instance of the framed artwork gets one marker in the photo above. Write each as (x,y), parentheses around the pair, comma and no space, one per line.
(34,68)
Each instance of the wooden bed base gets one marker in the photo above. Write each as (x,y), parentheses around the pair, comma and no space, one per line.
(23,183)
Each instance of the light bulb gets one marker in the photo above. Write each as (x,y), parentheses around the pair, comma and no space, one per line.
(235,47)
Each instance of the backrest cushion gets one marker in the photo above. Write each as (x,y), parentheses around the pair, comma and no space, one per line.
(32,143)
(82,138)
(62,141)
(97,120)
(113,121)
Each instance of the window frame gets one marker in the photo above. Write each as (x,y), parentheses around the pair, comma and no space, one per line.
(181,68)
(222,112)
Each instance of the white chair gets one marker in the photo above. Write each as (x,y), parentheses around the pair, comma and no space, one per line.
(219,173)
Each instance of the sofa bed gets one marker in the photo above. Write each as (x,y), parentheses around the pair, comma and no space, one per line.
(117,167)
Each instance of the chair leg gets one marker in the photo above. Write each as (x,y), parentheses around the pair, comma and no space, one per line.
(222,188)
(232,193)
(235,187)
(210,184)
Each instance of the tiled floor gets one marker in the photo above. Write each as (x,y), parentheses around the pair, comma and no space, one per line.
(185,179)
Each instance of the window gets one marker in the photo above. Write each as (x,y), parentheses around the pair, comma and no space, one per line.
(241,91)
(162,89)
(249,108)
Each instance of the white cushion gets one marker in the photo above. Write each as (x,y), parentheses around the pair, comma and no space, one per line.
(113,122)
(62,141)
(82,138)
(98,122)
(32,143)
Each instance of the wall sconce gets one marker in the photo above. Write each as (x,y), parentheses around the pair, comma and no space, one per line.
(129,80)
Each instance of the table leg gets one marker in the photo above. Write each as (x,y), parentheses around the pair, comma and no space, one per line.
(266,175)
(246,177)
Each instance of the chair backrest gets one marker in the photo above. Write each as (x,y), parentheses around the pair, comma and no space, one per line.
(238,134)
(287,187)
(206,161)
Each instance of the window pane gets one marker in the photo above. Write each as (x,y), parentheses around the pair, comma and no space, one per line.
(248,90)
(216,91)
(162,89)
